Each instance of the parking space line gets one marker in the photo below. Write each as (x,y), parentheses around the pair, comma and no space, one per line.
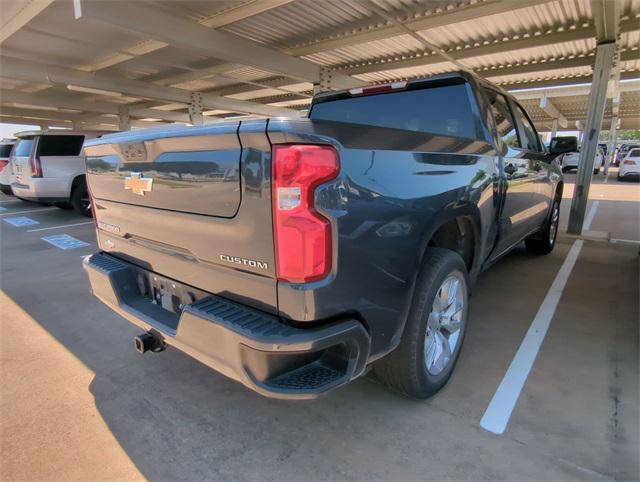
(58,227)
(29,211)
(498,413)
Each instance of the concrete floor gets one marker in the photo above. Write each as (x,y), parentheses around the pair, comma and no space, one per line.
(77,402)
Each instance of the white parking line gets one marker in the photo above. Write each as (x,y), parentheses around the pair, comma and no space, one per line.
(590,215)
(58,227)
(29,211)
(498,413)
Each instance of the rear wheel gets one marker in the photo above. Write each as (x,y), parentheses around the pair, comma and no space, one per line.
(428,351)
(80,199)
(64,205)
(544,241)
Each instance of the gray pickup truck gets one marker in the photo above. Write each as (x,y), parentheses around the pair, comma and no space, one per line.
(295,255)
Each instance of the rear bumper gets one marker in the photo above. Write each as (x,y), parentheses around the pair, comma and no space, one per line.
(42,189)
(274,359)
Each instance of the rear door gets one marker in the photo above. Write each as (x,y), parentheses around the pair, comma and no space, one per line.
(538,166)
(60,155)
(20,167)
(516,213)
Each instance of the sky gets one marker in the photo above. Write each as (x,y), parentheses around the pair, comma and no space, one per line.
(7,130)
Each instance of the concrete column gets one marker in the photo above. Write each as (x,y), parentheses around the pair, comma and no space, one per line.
(124,121)
(195,109)
(605,53)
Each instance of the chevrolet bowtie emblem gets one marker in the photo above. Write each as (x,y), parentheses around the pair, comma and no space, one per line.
(138,184)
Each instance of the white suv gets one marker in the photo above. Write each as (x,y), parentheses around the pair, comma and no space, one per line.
(571,160)
(5,170)
(49,167)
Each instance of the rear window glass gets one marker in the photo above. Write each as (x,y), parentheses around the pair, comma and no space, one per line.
(634,153)
(5,150)
(60,145)
(23,148)
(443,110)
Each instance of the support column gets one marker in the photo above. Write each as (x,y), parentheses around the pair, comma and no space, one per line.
(554,128)
(324,81)
(611,146)
(124,120)
(195,109)
(605,53)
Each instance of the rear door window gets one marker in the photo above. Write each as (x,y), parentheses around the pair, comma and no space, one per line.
(529,137)
(504,119)
(24,147)
(634,153)
(443,110)
(52,145)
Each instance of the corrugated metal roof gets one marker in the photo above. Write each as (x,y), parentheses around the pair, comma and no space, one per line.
(337,34)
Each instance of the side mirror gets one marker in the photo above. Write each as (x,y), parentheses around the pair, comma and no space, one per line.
(560,145)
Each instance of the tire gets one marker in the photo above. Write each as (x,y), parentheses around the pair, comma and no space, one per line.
(64,205)
(544,241)
(80,199)
(6,190)
(412,368)
(596,171)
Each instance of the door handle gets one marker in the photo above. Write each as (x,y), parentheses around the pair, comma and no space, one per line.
(510,169)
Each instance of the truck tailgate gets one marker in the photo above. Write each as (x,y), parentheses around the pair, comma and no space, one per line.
(192,204)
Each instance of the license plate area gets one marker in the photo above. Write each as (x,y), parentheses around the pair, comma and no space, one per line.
(167,293)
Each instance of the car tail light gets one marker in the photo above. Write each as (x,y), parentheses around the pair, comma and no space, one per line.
(3,164)
(378,89)
(302,235)
(36,166)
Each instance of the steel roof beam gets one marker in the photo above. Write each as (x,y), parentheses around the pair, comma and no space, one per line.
(36,72)
(189,35)
(552,111)
(470,11)
(467,52)
(40,115)
(58,101)
(25,11)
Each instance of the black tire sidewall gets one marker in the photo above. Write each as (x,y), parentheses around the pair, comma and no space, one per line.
(79,190)
(416,330)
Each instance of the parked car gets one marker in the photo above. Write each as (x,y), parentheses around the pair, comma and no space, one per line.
(623,150)
(48,167)
(293,254)
(570,161)
(630,166)
(5,170)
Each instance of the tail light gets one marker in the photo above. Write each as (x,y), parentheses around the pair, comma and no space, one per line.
(34,162)
(629,162)
(302,235)
(3,164)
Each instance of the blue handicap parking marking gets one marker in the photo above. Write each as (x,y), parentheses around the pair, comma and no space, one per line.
(64,241)
(20,221)
(2,209)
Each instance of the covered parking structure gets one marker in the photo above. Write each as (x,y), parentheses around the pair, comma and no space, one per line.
(84,63)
